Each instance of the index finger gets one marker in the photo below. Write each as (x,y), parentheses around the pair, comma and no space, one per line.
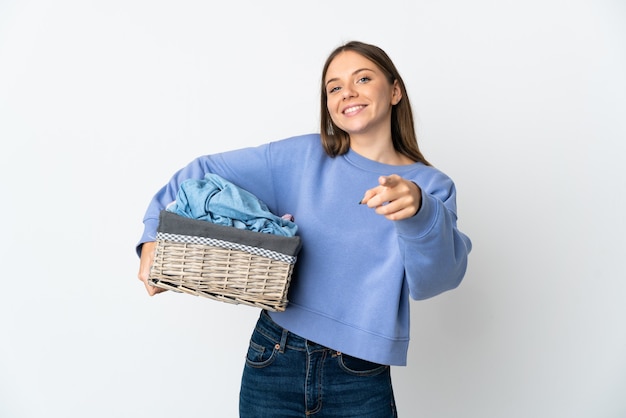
(388,181)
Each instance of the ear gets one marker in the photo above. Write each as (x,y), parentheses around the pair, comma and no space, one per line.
(396,93)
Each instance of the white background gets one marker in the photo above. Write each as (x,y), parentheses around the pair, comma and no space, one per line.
(523,104)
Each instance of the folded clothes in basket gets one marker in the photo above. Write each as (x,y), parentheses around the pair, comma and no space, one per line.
(223,263)
(221,202)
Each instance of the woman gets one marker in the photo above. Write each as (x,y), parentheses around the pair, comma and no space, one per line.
(378,226)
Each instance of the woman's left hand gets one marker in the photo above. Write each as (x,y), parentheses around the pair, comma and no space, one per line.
(395,198)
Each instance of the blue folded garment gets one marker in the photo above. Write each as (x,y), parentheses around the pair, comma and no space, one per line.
(221,202)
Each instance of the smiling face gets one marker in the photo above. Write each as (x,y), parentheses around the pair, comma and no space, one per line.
(360,97)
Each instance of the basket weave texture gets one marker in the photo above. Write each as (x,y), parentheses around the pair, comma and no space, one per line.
(223,263)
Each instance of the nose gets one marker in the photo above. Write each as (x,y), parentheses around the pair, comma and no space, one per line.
(348,92)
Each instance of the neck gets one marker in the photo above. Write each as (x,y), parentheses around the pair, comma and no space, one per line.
(380,151)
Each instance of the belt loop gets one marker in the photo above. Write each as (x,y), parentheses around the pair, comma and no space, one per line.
(283,341)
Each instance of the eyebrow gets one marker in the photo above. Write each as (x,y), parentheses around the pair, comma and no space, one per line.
(353,73)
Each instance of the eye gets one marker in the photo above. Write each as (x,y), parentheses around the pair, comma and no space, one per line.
(333,89)
(364,79)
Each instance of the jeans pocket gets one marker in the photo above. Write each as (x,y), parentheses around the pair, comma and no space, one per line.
(358,367)
(261,351)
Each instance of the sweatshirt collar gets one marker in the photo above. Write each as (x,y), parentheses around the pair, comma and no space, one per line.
(370,165)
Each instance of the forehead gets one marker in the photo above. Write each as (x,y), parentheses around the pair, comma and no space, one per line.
(346,63)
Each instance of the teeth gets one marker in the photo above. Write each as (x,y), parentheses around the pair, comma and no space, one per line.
(352,109)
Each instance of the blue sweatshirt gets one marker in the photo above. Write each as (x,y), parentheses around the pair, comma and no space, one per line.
(356,270)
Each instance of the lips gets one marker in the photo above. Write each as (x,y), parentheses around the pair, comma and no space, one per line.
(352,110)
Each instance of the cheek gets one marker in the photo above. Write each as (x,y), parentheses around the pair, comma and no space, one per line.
(333,102)
(333,112)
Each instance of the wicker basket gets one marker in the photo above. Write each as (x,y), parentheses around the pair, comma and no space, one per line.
(223,263)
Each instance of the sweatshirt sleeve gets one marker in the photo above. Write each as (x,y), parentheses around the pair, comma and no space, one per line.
(435,252)
(247,168)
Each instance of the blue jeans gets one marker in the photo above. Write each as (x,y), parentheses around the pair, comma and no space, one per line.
(288,376)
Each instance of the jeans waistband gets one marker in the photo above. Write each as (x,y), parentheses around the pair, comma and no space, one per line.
(283,337)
